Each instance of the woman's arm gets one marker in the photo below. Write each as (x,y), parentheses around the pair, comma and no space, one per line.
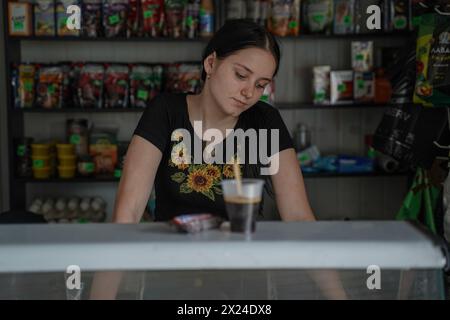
(293,205)
(141,164)
(289,188)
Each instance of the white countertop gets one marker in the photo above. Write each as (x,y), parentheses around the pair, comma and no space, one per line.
(274,245)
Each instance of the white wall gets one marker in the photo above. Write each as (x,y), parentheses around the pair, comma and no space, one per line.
(333,131)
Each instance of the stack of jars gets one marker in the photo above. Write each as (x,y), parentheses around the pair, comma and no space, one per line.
(66,160)
(43,158)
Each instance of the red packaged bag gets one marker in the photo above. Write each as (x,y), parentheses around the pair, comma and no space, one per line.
(90,86)
(116,86)
(152,17)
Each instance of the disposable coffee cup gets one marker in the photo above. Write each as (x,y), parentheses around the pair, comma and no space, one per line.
(242,204)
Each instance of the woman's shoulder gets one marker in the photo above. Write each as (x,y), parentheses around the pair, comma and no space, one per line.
(261,114)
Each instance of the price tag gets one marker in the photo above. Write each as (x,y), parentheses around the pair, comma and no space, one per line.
(75,139)
(142,94)
(400,23)
(342,87)
(28,85)
(318,18)
(189,21)
(359,57)
(89,167)
(51,89)
(117,173)
(148,14)
(19,26)
(293,25)
(38,163)
(347,20)
(361,84)
(114,19)
(21,150)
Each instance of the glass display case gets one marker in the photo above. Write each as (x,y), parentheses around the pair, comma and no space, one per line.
(295,260)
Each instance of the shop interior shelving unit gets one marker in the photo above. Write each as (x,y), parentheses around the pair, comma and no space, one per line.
(16,116)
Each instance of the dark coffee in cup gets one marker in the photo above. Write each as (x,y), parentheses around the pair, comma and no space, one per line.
(242,213)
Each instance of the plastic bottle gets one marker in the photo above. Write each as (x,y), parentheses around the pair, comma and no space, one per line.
(206,18)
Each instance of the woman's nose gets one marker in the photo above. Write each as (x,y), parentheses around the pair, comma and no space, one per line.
(247,92)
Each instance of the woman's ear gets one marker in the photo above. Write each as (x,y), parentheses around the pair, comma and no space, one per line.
(209,62)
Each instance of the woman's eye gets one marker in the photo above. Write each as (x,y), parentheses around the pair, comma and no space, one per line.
(240,76)
(260,86)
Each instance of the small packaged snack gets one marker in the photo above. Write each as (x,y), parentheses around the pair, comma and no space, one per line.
(174,11)
(90,86)
(344,16)
(400,14)
(116,86)
(141,85)
(74,76)
(183,77)
(152,17)
(284,18)
(193,223)
(133,19)
(318,15)
(66,96)
(25,86)
(191,22)
(321,84)
(19,19)
(364,86)
(62,16)
(362,56)
(92,18)
(115,18)
(49,87)
(44,18)
(341,86)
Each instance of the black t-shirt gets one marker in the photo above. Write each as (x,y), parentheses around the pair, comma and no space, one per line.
(182,187)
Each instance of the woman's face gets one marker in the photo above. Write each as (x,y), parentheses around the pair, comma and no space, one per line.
(238,81)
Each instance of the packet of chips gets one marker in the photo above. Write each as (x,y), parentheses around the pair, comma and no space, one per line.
(321,84)
(341,86)
(193,223)
(49,87)
(44,18)
(362,56)
(364,86)
(116,86)
(115,15)
(318,16)
(92,18)
(344,12)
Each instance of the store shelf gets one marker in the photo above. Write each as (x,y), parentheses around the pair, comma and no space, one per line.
(375,35)
(353,175)
(77,110)
(73,180)
(310,105)
(281,106)
(306,175)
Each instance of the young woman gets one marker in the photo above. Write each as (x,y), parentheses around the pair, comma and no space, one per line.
(238,63)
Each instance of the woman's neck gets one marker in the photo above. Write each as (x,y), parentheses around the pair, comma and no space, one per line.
(203,107)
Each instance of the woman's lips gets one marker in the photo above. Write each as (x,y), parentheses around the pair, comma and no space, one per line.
(239,103)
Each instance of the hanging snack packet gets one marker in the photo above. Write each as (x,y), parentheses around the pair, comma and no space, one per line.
(66,95)
(140,85)
(183,77)
(26,86)
(284,18)
(433,65)
(152,17)
(90,86)
(235,9)
(341,86)
(115,18)
(20,18)
(191,22)
(157,79)
(174,11)
(321,84)
(362,56)
(344,16)
(49,87)
(364,87)
(133,19)
(62,16)
(318,16)
(74,76)
(44,18)
(116,86)
(92,18)
(400,14)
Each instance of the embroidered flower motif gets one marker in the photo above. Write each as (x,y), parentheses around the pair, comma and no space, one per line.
(213,172)
(227,171)
(199,181)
